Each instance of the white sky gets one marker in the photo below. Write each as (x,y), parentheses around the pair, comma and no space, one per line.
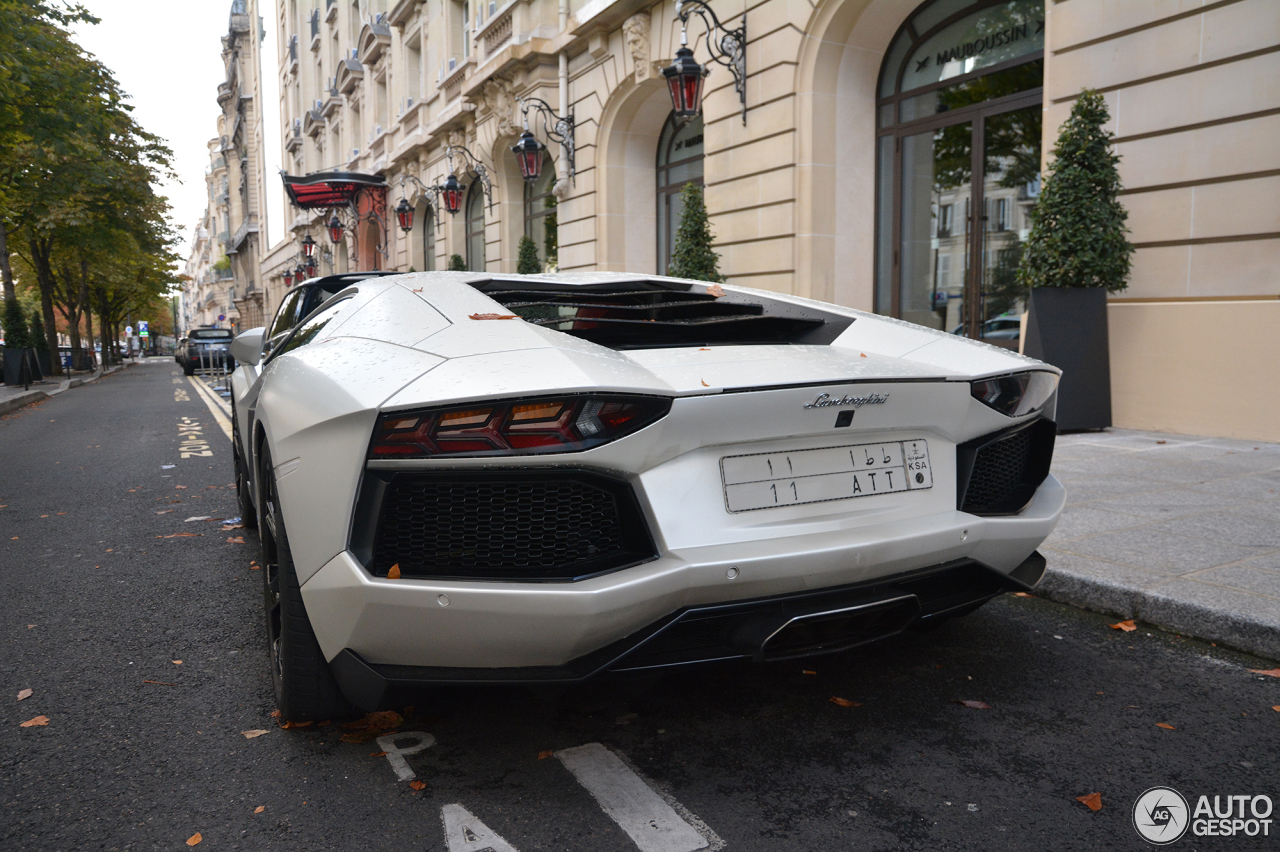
(167,55)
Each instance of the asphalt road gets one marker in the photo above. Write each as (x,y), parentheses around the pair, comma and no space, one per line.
(99,601)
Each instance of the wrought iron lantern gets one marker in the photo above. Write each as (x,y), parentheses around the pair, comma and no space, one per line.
(451,191)
(299,273)
(308,246)
(288,278)
(311,267)
(335,230)
(727,47)
(685,79)
(528,151)
(404,215)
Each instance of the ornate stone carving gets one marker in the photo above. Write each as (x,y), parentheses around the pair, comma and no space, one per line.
(636,30)
(498,98)
(457,139)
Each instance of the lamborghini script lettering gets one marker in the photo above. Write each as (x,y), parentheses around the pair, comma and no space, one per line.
(826,400)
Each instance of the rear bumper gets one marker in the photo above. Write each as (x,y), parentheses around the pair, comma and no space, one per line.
(763,629)
(502,625)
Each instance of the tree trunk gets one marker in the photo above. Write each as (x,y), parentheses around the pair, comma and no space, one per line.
(6,271)
(88,330)
(41,249)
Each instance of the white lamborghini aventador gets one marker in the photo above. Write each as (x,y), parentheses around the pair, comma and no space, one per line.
(483,478)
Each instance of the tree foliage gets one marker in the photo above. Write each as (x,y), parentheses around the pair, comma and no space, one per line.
(15,325)
(527,261)
(456,263)
(1078,227)
(691,255)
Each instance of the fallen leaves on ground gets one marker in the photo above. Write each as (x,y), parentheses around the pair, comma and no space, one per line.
(976,705)
(843,702)
(25,693)
(248,735)
(373,725)
(377,754)
(179,535)
(393,573)
(259,809)
(1023,595)
(1126,626)
(288,725)
(159,683)
(1092,801)
(194,839)
(238,539)
(543,755)
(164,512)
(808,672)
(234,527)
(275,714)
(254,566)
(1267,672)
(418,785)
(176,662)
(715,290)
(37,722)
(179,486)
(1276,707)
(493,316)
(1166,726)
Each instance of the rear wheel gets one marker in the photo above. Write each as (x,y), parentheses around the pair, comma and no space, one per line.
(188,369)
(305,688)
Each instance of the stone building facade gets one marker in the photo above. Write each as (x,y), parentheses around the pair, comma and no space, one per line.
(208,290)
(889,154)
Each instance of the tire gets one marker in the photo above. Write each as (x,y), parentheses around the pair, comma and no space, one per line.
(304,686)
(248,514)
(188,369)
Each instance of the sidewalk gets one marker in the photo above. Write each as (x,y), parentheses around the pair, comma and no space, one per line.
(1176,531)
(13,397)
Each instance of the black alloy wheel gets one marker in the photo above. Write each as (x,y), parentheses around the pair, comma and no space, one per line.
(304,686)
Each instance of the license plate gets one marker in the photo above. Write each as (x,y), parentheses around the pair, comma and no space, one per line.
(767,480)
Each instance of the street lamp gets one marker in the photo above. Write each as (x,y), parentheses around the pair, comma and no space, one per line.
(528,149)
(528,153)
(311,267)
(308,246)
(452,188)
(451,191)
(299,274)
(335,230)
(685,75)
(404,215)
(288,278)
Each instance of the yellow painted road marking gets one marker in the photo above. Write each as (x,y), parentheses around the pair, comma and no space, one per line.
(221,411)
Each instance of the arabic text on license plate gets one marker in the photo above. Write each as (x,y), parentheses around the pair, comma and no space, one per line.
(766,480)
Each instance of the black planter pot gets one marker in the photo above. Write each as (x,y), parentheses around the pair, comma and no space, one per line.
(13,367)
(1067,327)
(45,359)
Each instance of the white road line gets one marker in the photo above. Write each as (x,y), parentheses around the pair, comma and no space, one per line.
(221,412)
(464,833)
(652,823)
(395,754)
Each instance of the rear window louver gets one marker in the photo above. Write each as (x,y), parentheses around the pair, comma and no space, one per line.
(641,315)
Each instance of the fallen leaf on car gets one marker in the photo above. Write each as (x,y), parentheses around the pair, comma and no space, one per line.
(843,702)
(1267,672)
(493,316)
(239,539)
(194,840)
(1160,442)
(288,725)
(259,809)
(863,354)
(1023,595)
(704,384)
(25,693)
(248,735)
(393,573)
(1093,801)
(976,705)
(37,722)
(1166,726)
(715,290)
(416,290)
(543,755)
(418,785)
(178,535)
(1126,626)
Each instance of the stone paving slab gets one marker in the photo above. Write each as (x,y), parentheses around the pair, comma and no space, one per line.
(1180,532)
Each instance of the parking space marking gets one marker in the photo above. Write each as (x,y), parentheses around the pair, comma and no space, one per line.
(464,833)
(180,395)
(192,439)
(395,754)
(217,406)
(652,824)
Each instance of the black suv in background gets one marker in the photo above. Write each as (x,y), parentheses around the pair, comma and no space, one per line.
(206,348)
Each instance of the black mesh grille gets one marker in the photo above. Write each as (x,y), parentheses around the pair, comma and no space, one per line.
(544,527)
(1006,472)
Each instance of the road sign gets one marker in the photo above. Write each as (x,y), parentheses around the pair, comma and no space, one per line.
(221,317)
(128,330)
(143,330)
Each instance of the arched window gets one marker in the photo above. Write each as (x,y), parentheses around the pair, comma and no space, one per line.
(540,223)
(958,164)
(679,163)
(475,227)
(428,238)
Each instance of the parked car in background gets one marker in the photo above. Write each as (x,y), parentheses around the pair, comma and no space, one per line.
(474,478)
(206,348)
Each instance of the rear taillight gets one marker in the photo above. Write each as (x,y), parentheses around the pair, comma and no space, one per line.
(553,425)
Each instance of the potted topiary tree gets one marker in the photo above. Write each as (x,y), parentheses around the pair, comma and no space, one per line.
(527,262)
(456,263)
(691,253)
(1076,253)
(16,340)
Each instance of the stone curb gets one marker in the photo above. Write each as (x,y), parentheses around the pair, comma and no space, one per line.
(26,398)
(1203,620)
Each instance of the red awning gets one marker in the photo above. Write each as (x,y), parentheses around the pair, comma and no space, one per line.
(327,189)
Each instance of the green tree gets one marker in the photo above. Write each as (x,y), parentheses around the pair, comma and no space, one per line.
(1078,227)
(691,256)
(456,263)
(527,262)
(38,340)
(15,325)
